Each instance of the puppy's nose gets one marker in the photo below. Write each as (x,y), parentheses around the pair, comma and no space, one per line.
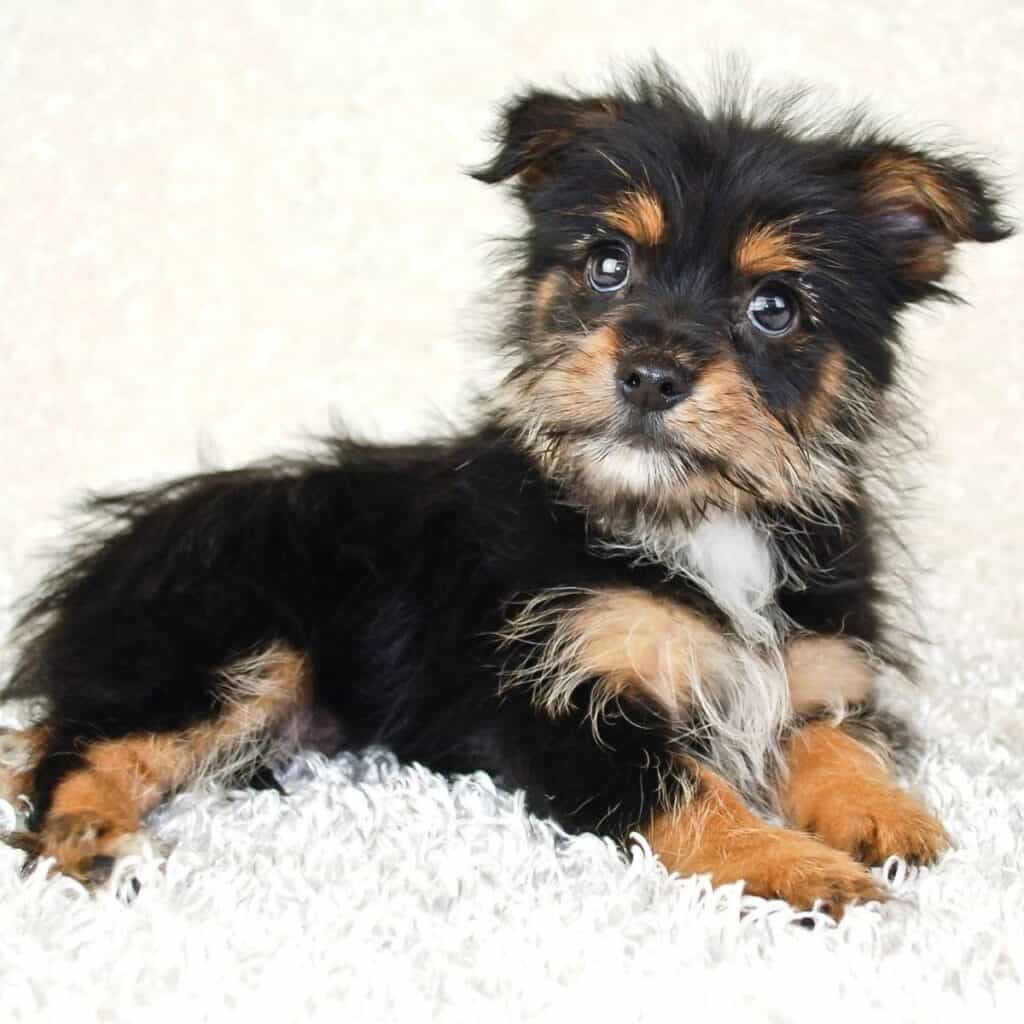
(652,382)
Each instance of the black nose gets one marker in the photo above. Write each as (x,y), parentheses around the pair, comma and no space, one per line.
(652,382)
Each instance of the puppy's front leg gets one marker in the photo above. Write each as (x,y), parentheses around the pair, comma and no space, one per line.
(836,786)
(714,833)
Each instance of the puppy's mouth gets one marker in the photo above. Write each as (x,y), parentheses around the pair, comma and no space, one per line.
(645,435)
(641,440)
(646,432)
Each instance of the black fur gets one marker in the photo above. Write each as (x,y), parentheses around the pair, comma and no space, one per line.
(395,569)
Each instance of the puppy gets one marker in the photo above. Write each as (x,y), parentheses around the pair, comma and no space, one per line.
(646,590)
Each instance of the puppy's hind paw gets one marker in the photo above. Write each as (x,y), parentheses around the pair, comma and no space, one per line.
(82,846)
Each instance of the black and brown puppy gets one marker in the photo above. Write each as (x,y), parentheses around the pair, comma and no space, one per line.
(646,590)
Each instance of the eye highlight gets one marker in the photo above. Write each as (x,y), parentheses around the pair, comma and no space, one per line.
(773,308)
(608,267)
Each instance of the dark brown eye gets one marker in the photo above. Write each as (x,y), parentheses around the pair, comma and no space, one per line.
(608,268)
(773,308)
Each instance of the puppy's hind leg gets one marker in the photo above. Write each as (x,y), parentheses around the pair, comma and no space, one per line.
(96,807)
(20,752)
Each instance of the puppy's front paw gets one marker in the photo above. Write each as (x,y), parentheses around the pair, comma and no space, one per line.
(716,834)
(875,822)
(842,792)
(802,871)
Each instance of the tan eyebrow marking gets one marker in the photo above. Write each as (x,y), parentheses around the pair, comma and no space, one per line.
(639,215)
(768,249)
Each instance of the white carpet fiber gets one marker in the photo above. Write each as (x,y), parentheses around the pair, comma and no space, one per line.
(221,224)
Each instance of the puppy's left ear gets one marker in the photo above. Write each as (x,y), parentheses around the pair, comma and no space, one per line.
(535,129)
(922,205)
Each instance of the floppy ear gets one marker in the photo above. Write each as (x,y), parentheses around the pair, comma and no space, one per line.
(924,205)
(535,128)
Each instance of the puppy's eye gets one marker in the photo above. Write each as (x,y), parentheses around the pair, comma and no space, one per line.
(608,268)
(773,308)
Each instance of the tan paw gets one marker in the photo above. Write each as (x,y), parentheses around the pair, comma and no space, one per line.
(874,822)
(802,871)
(84,846)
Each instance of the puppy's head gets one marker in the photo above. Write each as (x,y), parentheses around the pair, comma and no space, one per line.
(710,300)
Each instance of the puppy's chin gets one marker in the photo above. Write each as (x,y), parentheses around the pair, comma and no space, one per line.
(628,475)
(634,470)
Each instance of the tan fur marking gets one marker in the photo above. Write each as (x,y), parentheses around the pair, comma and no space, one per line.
(768,249)
(826,672)
(704,489)
(831,382)
(578,389)
(897,179)
(932,260)
(547,289)
(546,141)
(20,751)
(725,418)
(842,792)
(637,642)
(716,834)
(540,147)
(96,807)
(103,797)
(639,215)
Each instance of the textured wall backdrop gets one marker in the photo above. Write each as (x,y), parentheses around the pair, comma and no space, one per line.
(222,224)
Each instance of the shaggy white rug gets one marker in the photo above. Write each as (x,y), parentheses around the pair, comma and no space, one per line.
(220,222)
(387,893)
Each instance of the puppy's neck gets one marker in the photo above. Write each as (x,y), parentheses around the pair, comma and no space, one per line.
(728,554)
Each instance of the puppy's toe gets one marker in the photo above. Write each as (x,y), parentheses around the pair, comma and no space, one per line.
(806,874)
(885,822)
(85,846)
(782,864)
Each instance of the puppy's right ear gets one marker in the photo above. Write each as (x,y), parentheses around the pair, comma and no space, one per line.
(535,129)
(920,205)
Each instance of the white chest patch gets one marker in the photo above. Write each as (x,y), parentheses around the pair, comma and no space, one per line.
(729,556)
(743,692)
(731,559)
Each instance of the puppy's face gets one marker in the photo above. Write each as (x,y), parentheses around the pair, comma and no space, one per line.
(711,301)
